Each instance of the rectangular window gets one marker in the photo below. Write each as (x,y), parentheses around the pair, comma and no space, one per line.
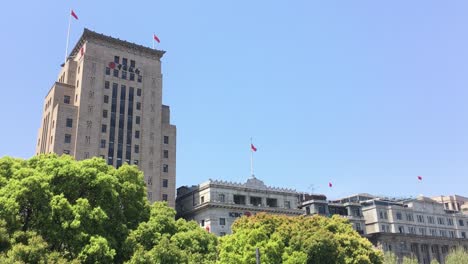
(104,113)
(401,229)
(202,199)
(124,75)
(166,154)
(104,128)
(67,138)
(137,120)
(255,201)
(221,197)
(116,73)
(164,197)
(460,222)
(124,61)
(138,106)
(69,122)
(440,221)
(132,76)
(166,140)
(106,84)
(222,221)
(137,149)
(106,99)
(66,99)
(132,63)
(287,204)
(103,143)
(202,222)
(271,202)
(357,226)
(239,199)
(420,218)
(115,85)
(107,71)
(138,92)
(463,234)
(399,216)
(409,217)
(165,168)
(450,221)
(139,78)
(165,183)
(117,59)
(137,133)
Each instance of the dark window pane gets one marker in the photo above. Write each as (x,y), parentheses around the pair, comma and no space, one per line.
(69,122)
(104,128)
(66,99)
(116,73)
(124,61)
(106,84)
(117,59)
(107,71)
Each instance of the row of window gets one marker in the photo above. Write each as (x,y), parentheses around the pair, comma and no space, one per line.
(254,200)
(423,231)
(124,75)
(421,219)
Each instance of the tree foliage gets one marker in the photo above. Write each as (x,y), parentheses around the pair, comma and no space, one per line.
(283,239)
(58,210)
(79,209)
(162,239)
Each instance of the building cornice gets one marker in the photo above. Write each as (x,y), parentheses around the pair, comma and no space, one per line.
(251,208)
(89,35)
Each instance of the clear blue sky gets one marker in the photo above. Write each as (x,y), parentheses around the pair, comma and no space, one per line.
(366,94)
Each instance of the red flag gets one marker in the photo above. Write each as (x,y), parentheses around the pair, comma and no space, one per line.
(420,178)
(330,184)
(253,147)
(74,15)
(156,38)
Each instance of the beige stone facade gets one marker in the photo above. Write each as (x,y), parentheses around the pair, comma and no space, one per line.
(107,102)
(452,202)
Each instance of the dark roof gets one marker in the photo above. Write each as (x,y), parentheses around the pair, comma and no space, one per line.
(90,35)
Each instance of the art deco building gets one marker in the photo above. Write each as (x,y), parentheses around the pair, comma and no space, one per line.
(107,102)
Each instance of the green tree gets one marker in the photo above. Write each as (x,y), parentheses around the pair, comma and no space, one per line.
(410,260)
(457,256)
(162,239)
(390,258)
(82,209)
(283,239)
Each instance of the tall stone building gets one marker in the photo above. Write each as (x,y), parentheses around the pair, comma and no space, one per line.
(107,102)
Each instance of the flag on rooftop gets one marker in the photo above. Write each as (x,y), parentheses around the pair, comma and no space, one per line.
(73,14)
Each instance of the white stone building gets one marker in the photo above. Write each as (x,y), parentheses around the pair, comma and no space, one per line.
(419,227)
(215,205)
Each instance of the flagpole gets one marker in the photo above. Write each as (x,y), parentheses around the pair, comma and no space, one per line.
(251,159)
(68,35)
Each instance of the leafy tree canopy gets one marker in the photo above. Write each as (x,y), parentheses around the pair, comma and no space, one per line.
(283,239)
